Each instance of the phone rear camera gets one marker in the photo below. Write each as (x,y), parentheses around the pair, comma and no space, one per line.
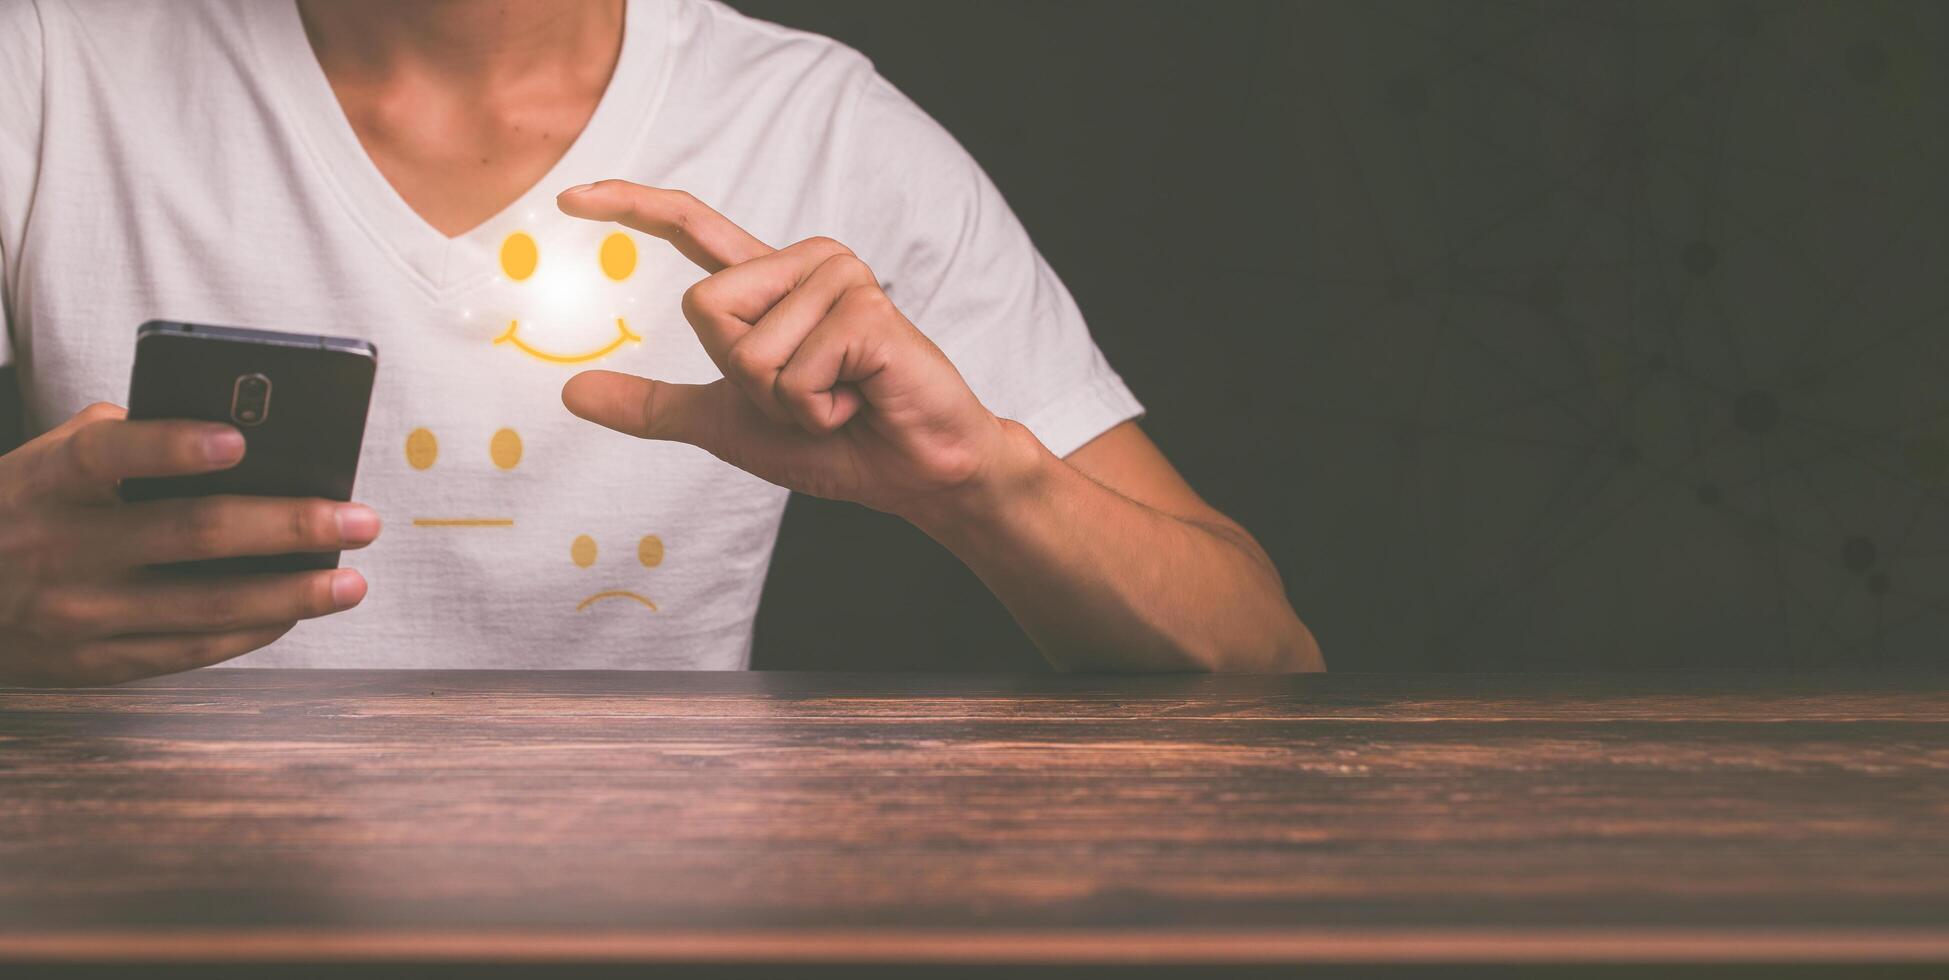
(250,399)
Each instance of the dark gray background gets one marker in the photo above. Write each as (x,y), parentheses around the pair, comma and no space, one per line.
(1525,336)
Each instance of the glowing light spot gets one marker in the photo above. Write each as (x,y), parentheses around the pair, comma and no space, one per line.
(583,550)
(649,551)
(505,449)
(421,448)
(618,256)
(519,256)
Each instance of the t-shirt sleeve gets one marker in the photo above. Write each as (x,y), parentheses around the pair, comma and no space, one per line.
(918,209)
(20,143)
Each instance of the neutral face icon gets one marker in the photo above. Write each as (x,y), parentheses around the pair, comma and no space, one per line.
(423,451)
(565,286)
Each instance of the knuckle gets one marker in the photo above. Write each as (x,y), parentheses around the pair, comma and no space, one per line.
(700,298)
(848,266)
(311,524)
(92,663)
(30,546)
(201,650)
(653,423)
(315,598)
(259,638)
(792,382)
(870,300)
(87,453)
(200,528)
(831,247)
(746,360)
(237,644)
(682,209)
(803,400)
(223,610)
(804,406)
(793,395)
(54,614)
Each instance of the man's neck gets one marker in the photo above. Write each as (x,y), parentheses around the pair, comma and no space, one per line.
(464,104)
(482,44)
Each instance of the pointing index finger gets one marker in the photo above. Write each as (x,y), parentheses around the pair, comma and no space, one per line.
(705,237)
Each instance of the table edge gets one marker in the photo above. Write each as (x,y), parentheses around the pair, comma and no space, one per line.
(976,946)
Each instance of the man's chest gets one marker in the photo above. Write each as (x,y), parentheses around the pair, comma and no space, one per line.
(507,519)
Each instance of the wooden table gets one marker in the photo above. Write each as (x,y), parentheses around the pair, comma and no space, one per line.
(722,821)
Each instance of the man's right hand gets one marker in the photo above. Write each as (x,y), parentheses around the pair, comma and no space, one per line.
(79,603)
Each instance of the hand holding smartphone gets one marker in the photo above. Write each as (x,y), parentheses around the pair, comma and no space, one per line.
(299,400)
(233,462)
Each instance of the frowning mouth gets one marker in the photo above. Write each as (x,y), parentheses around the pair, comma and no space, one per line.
(623,336)
(615,594)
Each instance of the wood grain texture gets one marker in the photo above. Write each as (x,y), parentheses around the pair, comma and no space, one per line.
(623,817)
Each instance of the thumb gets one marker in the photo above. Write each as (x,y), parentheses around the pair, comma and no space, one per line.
(648,409)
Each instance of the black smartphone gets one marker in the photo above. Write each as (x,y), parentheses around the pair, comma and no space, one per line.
(300,401)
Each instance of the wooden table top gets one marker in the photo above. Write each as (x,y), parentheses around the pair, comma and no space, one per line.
(594,817)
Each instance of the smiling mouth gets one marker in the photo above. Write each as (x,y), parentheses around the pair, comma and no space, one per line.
(615,594)
(623,336)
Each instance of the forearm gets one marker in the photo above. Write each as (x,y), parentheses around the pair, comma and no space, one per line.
(1102,582)
(829,389)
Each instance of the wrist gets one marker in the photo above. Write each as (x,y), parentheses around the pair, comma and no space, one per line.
(1018,468)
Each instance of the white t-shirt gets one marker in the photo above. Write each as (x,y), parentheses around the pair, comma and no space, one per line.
(188,160)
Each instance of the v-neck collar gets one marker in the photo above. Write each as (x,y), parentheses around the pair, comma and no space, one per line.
(443,266)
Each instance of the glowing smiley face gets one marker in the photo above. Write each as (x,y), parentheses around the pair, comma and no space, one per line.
(649,553)
(562,332)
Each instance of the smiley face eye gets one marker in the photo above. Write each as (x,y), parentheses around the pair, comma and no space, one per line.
(618,256)
(519,256)
(505,449)
(421,448)
(649,550)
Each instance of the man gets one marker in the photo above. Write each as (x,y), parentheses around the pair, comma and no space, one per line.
(408,173)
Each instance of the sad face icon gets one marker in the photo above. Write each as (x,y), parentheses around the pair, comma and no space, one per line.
(584,552)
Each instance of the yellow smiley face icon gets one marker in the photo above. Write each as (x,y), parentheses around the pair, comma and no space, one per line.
(521,262)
